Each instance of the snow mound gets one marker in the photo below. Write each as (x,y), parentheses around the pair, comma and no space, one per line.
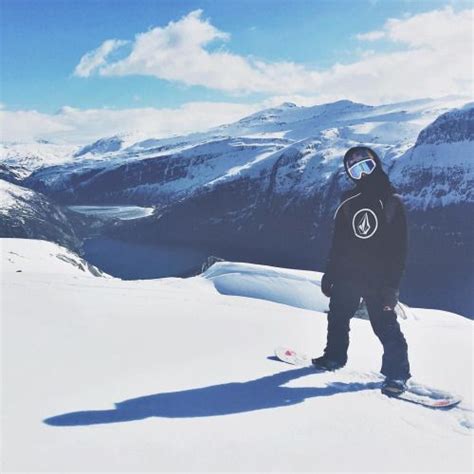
(298,288)
(42,257)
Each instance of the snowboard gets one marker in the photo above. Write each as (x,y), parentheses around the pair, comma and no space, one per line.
(416,393)
(292,357)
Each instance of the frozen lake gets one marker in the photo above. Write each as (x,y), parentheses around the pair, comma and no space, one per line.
(114,212)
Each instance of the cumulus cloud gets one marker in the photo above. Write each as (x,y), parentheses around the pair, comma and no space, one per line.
(28,125)
(443,29)
(80,126)
(97,58)
(177,52)
(434,58)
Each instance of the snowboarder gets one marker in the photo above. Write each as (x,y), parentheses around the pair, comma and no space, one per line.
(367,259)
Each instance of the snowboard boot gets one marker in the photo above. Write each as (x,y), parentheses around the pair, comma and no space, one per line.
(394,387)
(323,363)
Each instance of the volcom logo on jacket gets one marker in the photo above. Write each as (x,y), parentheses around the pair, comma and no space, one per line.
(364,223)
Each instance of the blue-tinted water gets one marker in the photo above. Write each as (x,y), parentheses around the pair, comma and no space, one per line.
(131,261)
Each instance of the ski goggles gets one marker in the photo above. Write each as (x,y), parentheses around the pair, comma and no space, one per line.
(362,167)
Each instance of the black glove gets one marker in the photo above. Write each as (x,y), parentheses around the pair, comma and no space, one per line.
(326,285)
(389,298)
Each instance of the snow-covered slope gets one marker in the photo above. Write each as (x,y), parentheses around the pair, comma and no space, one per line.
(101,374)
(27,214)
(10,195)
(161,176)
(40,257)
(111,144)
(19,160)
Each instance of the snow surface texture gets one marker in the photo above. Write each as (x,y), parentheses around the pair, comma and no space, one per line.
(101,374)
(44,258)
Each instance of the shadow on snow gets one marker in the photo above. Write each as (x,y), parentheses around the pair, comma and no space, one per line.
(216,400)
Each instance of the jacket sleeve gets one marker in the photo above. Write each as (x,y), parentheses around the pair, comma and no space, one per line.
(335,251)
(398,244)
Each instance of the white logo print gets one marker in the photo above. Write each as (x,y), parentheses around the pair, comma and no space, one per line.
(364,223)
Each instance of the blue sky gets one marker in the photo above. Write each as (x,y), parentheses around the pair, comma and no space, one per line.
(78,69)
(43,42)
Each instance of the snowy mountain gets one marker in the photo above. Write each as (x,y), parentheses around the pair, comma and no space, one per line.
(19,160)
(111,144)
(174,375)
(27,214)
(439,170)
(156,171)
(264,189)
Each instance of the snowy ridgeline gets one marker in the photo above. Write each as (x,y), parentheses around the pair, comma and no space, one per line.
(134,169)
(173,374)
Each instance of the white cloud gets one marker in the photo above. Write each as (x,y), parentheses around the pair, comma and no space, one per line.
(370,36)
(80,126)
(434,59)
(97,58)
(28,125)
(444,29)
(177,52)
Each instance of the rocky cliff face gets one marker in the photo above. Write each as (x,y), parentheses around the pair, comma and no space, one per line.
(451,127)
(438,171)
(27,214)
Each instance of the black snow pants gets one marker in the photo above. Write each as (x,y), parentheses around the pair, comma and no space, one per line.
(345,298)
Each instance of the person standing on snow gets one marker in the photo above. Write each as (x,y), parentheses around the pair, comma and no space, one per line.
(367,259)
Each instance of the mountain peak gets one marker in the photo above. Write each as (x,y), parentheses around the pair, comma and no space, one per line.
(287,105)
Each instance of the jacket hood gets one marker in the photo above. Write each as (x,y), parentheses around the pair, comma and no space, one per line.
(361,152)
(376,183)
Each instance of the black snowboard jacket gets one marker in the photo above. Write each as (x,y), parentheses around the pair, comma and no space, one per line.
(369,243)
